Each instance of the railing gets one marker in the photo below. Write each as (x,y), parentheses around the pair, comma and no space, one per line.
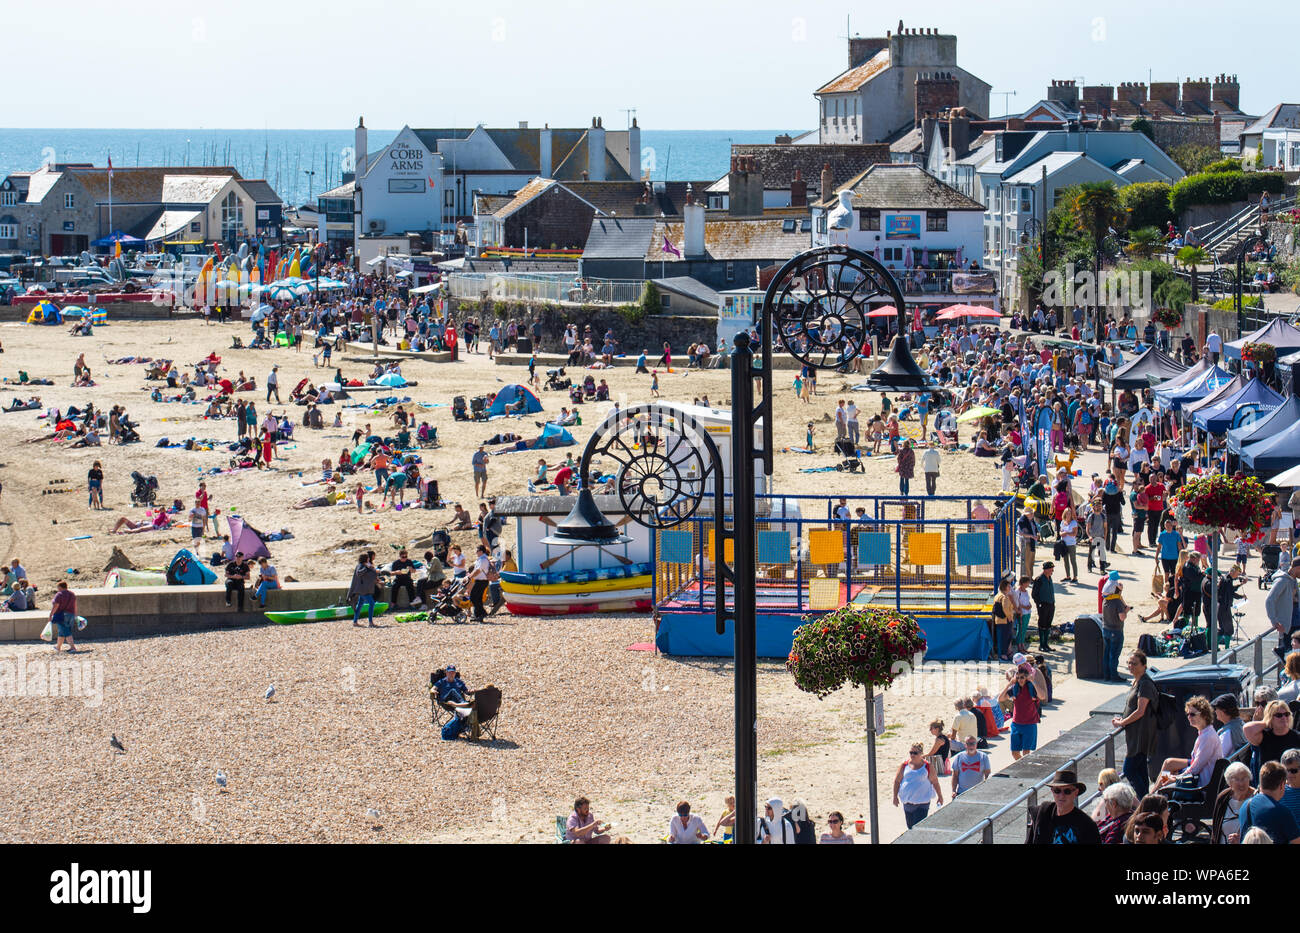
(922,281)
(1029,797)
(1240,222)
(498,286)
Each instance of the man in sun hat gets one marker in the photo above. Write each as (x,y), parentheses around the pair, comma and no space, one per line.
(1060,821)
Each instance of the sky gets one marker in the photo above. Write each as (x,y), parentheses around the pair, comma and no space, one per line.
(707,64)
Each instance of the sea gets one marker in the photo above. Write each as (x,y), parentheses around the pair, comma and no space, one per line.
(301,164)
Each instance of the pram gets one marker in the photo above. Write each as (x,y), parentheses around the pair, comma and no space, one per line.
(450,601)
(459,408)
(146,488)
(478,407)
(1271,557)
(555,379)
(851,463)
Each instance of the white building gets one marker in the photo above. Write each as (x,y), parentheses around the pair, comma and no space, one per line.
(1277,135)
(918,227)
(424,180)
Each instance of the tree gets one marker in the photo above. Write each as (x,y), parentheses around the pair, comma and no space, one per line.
(1144,242)
(1193,158)
(1147,203)
(1143,125)
(1191,257)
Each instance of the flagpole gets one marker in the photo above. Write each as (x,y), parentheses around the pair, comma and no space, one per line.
(110,194)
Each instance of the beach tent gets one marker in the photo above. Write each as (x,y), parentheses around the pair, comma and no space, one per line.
(1276,332)
(44,312)
(1274,454)
(123,576)
(1276,421)
(1174,397)
(1136,374)
(554,435)
(510,395)
(246,538)
(1220,416)
(187,570)
(1227,390)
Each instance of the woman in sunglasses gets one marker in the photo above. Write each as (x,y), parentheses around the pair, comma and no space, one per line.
(1273,734)
(837,835)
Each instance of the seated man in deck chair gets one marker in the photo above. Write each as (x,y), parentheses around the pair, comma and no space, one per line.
(457,699)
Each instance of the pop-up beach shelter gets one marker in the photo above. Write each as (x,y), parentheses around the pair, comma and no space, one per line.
(510,395)
(1222,415)
(187,570)
(45,313)
(1272,424)
(246,538)
(1152,365)
(1277,332)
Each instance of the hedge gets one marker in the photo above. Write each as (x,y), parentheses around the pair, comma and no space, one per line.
(1147,203)
(1222,188)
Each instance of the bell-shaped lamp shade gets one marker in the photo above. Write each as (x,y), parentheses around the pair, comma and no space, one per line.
(586,524)
(899,372)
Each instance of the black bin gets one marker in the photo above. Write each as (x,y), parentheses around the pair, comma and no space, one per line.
(1207,680)
(1088,648)
(524,345)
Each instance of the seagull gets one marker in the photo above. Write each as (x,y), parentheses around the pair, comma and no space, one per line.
(373,815)
(117,744)
(841,217)
(221,779)
(270,692)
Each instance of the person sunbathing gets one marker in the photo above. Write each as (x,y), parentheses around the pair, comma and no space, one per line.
(462,520)
(91,439)
(330,497)
(157,522)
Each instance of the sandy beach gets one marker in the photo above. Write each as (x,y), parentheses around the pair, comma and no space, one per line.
(349,728)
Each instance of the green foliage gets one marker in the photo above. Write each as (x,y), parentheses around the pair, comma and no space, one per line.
(1143,125)
(1147,203)
(1192,256)
(1247,301)
(1193,157)
(650,301)
(1144,242)
(500,308)
(1288,275)
(854,645)
(1224,165)
(1174,293)
(1222,188)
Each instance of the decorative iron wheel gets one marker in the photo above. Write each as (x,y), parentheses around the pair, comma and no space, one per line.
(818,304)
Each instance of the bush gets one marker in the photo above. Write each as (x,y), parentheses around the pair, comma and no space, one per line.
(1193,157)
(1247,301)
(650,301)
(1223,165)
(1174,293)
(1143,125)
(1222,188)
(1147,203)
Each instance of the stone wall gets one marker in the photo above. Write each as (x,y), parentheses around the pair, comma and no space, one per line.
(1283,237)
(1169,133)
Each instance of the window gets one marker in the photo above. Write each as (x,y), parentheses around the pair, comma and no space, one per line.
(232,217)
(821,223)
(8,198)
(1026,200)
(803,225)
(936,221)
(869,219)
(196,226)
(69,202)
(892,254)
(31,230)
(787,225)
(715,202)
(8,231)
(731,272)
(449,198)
(665,301)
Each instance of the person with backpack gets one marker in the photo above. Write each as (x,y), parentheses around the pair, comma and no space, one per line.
(916,786)
(775,826)
(1140,724)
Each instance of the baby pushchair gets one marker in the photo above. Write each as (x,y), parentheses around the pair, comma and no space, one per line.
(1271,557)
(450,602)
(146,488)
(555,379)
(459,410)
(851,462)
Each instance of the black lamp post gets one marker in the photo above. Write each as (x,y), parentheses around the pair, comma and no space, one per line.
(1242,249)
(816,307)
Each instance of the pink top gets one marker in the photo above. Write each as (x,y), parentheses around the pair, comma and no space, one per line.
(1205,753)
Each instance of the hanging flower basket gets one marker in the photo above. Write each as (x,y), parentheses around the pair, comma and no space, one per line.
(854,645)
(1260,353)
(1211,504)
(1169,317)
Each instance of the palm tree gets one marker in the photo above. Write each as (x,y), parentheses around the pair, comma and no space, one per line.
(1097,211)
(1144,242)
(1191,257)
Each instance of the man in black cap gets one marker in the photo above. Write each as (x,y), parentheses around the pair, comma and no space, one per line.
(1061,822)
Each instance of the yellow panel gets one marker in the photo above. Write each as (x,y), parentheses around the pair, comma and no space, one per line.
(823,593)
(728,549)
(925,548)
(826,547)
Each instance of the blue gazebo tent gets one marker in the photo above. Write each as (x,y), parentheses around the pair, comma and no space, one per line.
(1187,378)
(1276,332)
(1276,421)
(1274,454)
(1138,373)
(509,396)
(117,236)
(1211,379)
(1227,390)
(1220,416)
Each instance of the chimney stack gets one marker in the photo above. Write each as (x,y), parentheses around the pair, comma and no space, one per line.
(1227,91)
(693,215)
(828,182)
(744,187)
(798,190)
(935,92)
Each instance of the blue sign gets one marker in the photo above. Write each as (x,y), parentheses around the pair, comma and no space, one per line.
(1250,413)
(1043,438)
(903,227)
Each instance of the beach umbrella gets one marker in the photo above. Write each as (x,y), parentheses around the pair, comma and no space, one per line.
(391,380)
(907,258)
(959,311)
(925,257)
(976,413)
(1288,479)
(886,311)
(74,312)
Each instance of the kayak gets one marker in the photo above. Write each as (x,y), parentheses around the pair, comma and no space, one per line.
(586,575)
(317,615)
(595,586)
(578,599)
(611,605)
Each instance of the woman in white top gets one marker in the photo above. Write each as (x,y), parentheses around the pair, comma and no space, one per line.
(1205,752)
(686,829)
(1119,462)
(1231,800)
(915,786)
(1069,535)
